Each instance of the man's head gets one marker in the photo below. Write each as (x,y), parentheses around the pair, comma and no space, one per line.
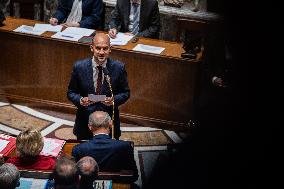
(101,48)
(65,172)
(29,143)
(9,176)
(100,122)
(88,169)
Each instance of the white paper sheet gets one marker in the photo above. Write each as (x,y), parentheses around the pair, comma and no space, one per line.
(96,98)
(121,39)
(52,146)
(78,31)
(47,27)
(65,36)
(148,48)
(28,30)
(3,144)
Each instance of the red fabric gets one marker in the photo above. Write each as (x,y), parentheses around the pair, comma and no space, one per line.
(38,162)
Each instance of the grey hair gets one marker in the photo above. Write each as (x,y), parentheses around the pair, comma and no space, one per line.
(9,176)
(99,119)
(88,167)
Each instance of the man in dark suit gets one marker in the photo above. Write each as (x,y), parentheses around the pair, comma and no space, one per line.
(87,78)
(111,155)
(123,16)
(78,13)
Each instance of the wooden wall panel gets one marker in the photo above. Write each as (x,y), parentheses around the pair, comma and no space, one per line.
(37,69)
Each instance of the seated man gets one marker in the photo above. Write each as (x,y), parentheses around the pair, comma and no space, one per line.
(88,170)
(29,144)
(111,155)
(78,13)
(140,17)
(9,176)
(65,174)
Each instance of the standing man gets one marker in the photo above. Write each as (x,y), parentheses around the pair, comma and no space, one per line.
(88,78)
(78,13)
(139,17)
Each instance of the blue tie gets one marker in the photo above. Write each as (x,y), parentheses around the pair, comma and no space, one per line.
(136,10)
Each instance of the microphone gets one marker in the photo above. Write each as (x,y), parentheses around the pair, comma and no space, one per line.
(107,76)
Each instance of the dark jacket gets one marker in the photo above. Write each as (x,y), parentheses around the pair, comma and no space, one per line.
(81,84)
(149,23)
(91,12)
(111,155)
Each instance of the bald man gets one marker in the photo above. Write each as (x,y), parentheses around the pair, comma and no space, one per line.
(88,77)
(88,170)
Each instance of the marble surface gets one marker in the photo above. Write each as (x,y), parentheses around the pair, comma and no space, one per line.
(19,120)
(149,143)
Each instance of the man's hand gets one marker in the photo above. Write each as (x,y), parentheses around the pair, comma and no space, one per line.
(218,82)
(108,101)
(85,101)
(71,24)
(53,21)
(128,33)
(112,33)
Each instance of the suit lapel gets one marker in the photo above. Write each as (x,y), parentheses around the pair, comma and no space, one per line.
(143,10)
(89,77)
(127,13)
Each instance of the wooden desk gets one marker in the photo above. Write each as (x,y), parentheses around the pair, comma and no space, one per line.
(36,70)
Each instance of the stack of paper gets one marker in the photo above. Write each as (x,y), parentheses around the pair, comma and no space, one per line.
(121,39)
(47,27)
(28,30)
(52,146)
(73,33)
(148,48)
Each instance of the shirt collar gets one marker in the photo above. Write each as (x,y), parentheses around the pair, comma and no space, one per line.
(137,2)
(101,134)
(95,64)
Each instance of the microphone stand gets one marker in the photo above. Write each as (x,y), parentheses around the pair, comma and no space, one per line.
(112,117)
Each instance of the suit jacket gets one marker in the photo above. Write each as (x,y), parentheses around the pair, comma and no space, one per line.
(81,84)
(91,12)
(149,23)
(111,155)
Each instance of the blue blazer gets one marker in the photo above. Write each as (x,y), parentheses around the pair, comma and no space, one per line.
(111,155)
(91,12)
(81,84)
